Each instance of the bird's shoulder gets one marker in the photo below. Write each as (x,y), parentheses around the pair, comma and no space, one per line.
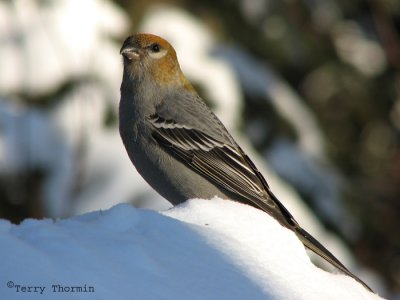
(186,109)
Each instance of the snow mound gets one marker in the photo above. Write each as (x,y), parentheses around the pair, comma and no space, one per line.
(199,250)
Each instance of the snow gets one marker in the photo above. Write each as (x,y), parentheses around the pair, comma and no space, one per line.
(86,165)
(199,250)
(355,47)
(44,44)
(259,80)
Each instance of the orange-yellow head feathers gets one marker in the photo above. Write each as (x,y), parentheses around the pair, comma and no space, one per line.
(147,56)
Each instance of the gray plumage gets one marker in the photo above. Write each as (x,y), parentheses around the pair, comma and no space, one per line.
(181,148)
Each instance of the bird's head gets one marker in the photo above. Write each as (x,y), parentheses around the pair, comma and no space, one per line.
(150,57)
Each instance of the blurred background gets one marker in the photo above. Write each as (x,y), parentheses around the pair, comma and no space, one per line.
(311,88)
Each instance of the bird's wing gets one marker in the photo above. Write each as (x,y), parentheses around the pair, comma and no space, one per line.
(228,167)
(221,163)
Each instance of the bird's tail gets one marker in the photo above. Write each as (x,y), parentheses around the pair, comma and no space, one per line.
(311,243)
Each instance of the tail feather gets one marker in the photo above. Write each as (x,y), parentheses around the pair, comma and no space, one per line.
(287,220)
(311,243)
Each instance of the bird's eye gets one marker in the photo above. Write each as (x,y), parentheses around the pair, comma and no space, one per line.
(155,51)
(155,47)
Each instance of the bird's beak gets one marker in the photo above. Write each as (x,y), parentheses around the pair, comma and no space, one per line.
(130,53)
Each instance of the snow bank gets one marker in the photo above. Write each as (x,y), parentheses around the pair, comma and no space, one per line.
(199,250)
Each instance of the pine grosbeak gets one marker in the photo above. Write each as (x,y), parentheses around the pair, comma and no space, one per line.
(181,148)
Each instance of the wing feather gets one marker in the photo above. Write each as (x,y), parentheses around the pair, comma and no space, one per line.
(218,162)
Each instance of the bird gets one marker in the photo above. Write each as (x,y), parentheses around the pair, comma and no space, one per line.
(181,148)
